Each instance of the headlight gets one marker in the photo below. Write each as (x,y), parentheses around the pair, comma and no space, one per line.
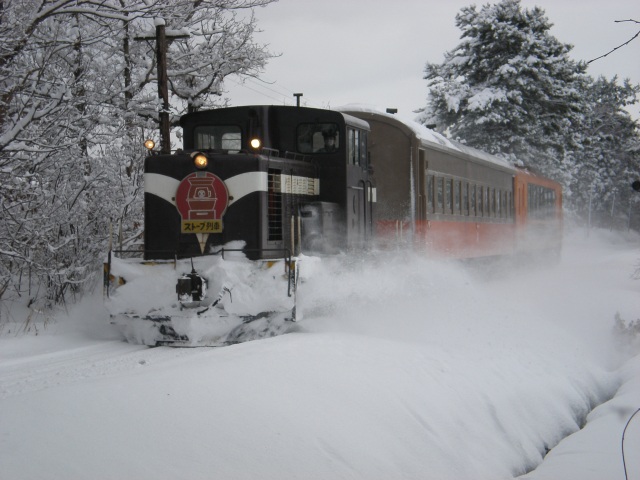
(200,160)
(149,144)
(255,143)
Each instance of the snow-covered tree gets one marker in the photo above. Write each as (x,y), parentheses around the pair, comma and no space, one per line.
(509,87)
(77,96)
(218,45)
(607,158)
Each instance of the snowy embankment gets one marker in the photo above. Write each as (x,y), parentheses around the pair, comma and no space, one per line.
(402,369)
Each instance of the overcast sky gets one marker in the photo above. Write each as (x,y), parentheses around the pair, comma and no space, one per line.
(374,51)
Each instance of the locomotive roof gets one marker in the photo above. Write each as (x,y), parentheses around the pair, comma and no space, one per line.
(355,121)
(429,137)
(204,114)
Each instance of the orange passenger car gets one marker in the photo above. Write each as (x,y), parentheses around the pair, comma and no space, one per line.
(456,201)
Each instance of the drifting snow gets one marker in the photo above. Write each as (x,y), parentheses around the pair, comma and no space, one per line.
(402,368)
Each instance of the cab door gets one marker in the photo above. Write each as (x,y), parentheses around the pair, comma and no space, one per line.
(359,190)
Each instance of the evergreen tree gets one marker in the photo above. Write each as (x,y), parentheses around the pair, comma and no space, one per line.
(509,87)
(607,159)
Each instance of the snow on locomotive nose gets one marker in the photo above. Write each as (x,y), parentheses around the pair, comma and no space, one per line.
(242,300)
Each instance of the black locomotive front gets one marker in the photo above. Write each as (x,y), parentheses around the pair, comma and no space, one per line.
(275,178)
(191,208)
(267,181)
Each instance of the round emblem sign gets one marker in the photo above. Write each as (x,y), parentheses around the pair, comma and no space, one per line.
(202,199)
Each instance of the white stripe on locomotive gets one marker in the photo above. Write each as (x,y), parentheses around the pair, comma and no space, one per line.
(238,186)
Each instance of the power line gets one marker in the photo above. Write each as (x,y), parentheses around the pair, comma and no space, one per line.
(263,87)
(243,85)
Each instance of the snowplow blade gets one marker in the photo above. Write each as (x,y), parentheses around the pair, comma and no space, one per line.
(204,301)
(216,330)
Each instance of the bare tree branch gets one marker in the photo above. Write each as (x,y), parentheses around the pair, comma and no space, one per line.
(619,46)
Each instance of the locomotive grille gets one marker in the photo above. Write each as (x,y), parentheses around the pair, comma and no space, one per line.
(286,193)
(275,205)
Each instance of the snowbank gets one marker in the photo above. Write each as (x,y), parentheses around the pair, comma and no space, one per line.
(402,368)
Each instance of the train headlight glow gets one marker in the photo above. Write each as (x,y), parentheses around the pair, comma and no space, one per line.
(255,143)
(149,144)
(200,160)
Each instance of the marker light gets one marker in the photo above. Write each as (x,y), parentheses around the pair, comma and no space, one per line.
(200,160)
(255,143)
(149,144)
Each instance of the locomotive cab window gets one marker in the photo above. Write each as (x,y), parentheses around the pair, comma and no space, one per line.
(218,137)
(364,160)
(318,137)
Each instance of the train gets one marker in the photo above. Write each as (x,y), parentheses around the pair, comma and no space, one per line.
(256,191)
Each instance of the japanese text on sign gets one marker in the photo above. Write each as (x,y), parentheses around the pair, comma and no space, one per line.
(201,226)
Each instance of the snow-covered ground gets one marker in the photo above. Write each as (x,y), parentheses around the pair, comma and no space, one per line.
(402,368)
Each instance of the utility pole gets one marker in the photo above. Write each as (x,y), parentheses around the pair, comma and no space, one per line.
(163,86)
(162,42)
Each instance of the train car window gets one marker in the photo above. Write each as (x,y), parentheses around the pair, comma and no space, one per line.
(318,137)
(510,204)
(447,195)
(472,200)
(455,197)
(541,201)
(218,137)
(505,211)
(492,202)
(485,202)
(505,204)
(465,199)
(430,193)
(439,194)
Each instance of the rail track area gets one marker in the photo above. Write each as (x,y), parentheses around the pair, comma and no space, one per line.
(63,365)
(392,373)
